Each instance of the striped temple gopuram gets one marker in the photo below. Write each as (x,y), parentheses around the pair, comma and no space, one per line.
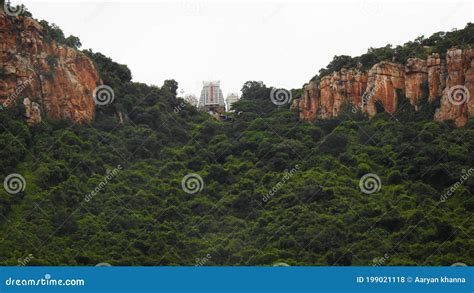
(211,97)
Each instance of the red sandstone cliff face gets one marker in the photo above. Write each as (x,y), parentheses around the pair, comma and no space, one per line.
(382,82)
(325,100)
(416,73)
(309,102)
(469,82)
(57,81)
(456,102)
(436,76)
(385,78)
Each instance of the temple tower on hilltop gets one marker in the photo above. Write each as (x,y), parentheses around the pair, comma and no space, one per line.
(230,99)
(211,97)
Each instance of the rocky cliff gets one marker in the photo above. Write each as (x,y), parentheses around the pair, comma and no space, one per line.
(46,78)
(450,81)
(456,101)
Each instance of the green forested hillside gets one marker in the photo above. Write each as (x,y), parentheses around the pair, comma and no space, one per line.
(275,189)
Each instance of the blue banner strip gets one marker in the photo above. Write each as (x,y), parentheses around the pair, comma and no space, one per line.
(237,279)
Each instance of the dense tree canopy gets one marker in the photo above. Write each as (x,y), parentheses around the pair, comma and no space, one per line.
(317,214)
(274,188)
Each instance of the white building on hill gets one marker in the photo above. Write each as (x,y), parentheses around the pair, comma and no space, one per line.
(230,99)
(211,97)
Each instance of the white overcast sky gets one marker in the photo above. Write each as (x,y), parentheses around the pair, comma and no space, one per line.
(282,44)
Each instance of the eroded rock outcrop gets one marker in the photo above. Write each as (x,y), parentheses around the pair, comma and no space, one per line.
(456,101)
(325,99)
(58,81)
(436,67)
(385,78)
(416,74)
(449,81)
(309,101)
(32,111)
